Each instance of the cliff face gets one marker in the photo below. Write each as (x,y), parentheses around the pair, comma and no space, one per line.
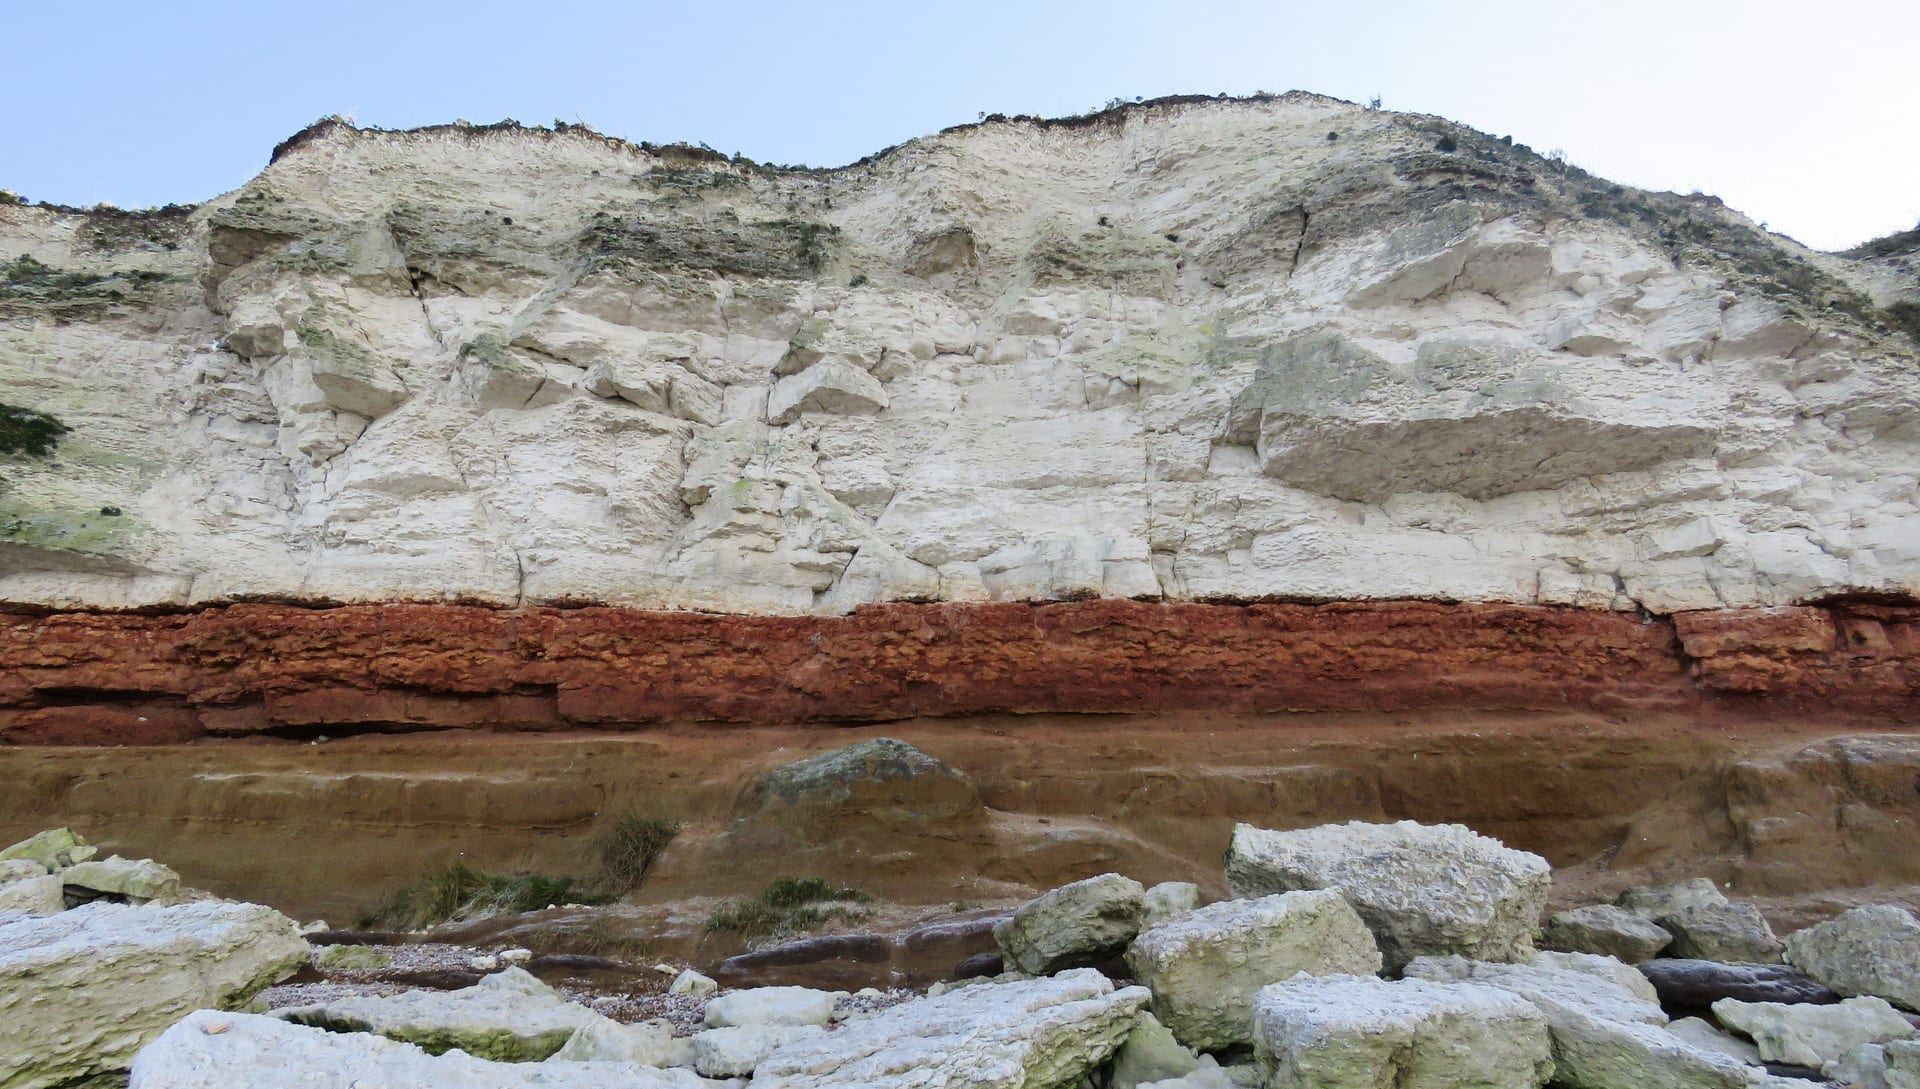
(1284,348)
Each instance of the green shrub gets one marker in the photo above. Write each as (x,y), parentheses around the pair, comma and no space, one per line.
(461,892)
(629,848)
(26,431)
(788,905)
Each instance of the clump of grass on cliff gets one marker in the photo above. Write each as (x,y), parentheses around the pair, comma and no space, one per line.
(788,905)
(629,848)
(461,892)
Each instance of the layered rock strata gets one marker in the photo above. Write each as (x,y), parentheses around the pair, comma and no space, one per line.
(1186,350)
(249,669)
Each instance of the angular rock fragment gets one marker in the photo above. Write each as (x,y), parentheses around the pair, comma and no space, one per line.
(1205,967)
(692,983)
(735,1051)
(1338,1032)
(54,849)
(81,991)
(1074,926)
(509,1016)
(1813,1035)
(41,895)
(771,1006)
(1657,900)
(1151,1054)
(1422,889)
(1727,933)
(1617,972)
(831,386)
(351,957)
(1872,950)
(1604,1036)
(607,1040)
(1607,930)
(213,1050)
(1704,1034)
(138,879)
(1042,1032)
(1169,900)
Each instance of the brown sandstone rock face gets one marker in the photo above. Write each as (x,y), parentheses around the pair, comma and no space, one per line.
(77,678)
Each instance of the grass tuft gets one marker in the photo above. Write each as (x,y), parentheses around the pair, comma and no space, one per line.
(461,892)
(629,848)
(789,905)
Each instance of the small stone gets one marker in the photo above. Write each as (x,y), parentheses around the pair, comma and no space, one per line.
(515,956)
(1168,901)
(693,983)
(484,963)
(1606,930)
(349,957)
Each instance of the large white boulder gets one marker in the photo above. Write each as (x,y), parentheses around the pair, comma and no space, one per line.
(1422,889)
(1073,926)
(771,1006)
(212,1050)
(509,1016)
(1872,950)
(1605,1036)
(1340,1032)
(1810,1035)
(81,991)
(735,1051)
(1041,1032)
(1205,967)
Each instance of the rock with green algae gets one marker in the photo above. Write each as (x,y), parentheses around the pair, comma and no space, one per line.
(509,1016)
(350,957)
(55,849)
(138,879)
(211,1050)
(82,991)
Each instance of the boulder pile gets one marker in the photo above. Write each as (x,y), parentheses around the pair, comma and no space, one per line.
(1351,956)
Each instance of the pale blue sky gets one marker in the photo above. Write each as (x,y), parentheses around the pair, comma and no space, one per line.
(1804,115)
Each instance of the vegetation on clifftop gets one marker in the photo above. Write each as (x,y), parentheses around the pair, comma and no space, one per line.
(27,431)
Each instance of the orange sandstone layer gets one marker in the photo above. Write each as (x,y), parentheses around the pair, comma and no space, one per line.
(118,678)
